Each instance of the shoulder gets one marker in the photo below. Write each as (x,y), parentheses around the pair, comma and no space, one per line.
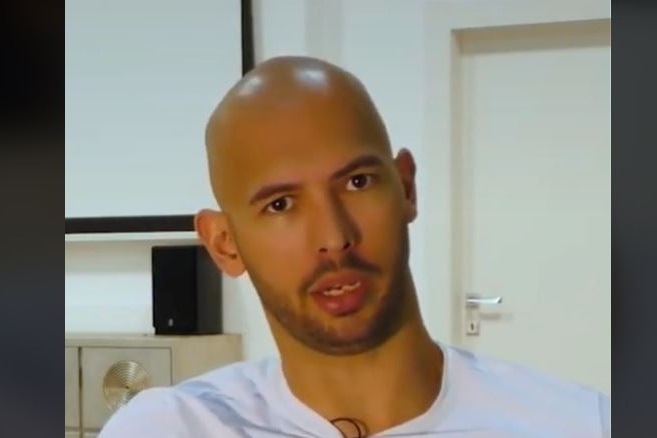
(154,412)
(196,407)
(234,377)
(519,389)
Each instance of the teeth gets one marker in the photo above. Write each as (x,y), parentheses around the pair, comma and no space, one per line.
(350,287)
(340,289)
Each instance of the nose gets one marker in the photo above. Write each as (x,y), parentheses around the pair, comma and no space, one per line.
(335,245)
(335,230)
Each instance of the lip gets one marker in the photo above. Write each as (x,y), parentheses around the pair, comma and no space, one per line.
(335,279)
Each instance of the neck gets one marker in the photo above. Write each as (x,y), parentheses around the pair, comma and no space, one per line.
(368,386)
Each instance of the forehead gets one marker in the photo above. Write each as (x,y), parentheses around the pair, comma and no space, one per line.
(297,143)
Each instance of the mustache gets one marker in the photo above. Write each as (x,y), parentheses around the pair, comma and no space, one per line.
(350,261)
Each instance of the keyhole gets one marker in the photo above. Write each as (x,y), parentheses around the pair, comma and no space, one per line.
(473,328)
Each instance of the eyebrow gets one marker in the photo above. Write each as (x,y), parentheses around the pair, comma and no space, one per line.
(272,189)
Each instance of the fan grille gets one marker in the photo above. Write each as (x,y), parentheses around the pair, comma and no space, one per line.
(123,381)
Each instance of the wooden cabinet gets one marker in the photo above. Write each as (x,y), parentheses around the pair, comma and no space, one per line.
(72,393)
(95,363)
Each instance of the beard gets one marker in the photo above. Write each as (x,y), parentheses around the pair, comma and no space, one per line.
(322,336)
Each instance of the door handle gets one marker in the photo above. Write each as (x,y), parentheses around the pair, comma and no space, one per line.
(478,301)
(473,303)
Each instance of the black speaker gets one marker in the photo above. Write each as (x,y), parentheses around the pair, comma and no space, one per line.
(187,291)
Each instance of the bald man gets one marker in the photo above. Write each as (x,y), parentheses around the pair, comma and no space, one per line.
(315,208)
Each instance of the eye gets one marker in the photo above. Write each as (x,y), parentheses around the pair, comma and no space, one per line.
(279,205)
(359,182)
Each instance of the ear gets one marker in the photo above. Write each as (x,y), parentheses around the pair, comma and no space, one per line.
(214,231)
(406,168)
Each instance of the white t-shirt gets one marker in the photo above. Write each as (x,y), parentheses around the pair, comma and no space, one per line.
(481,398)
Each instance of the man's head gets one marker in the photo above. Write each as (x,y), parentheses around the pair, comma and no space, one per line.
(313,204)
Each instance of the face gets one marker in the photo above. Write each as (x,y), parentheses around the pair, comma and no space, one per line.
(318,214)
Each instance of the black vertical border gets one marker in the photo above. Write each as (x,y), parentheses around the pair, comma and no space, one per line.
(31,213)
(634,218)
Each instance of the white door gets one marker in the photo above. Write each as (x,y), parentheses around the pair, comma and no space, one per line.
(516,191)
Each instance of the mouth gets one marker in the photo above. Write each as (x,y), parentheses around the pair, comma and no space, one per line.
(338,283)
(340,289)
(342,294)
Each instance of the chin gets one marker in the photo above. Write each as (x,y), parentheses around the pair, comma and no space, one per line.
(349,346)
(349,335)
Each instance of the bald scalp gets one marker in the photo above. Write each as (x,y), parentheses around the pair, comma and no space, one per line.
(281,82)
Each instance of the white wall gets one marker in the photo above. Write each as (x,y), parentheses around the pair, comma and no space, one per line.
(124,67)
(108,283)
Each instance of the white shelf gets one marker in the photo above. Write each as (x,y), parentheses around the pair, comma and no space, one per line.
(177,237)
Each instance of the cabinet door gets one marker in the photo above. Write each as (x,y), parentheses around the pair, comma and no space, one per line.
(72,434)
(71,389)
(154,364)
